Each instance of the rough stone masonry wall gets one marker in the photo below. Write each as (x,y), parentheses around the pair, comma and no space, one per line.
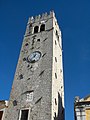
(36,77)
(57,75)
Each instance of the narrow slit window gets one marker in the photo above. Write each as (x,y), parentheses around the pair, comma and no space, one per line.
(55,59)
(42,28)
(55,114)
(57,35)
(55,42)
(55,101)
(55,75)
(56,32)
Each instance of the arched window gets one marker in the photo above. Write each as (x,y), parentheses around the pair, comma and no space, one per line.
(36,29)
(42,28)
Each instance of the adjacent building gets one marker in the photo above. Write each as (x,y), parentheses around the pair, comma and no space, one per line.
(82,108)
(3,107)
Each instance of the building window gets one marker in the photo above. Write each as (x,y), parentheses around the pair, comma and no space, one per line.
(58,38)
(26,44)
(24,59)
(55,75)
(56,32)
(55,101)
(55,42)
(20,76)
(55,59)
(14,103)
(42,28)
(1,114)
(38,40)
(55,114)
(24,114)
(29,97)
(36,29)
(57,35)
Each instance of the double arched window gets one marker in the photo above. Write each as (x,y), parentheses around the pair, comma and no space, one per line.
(42,28)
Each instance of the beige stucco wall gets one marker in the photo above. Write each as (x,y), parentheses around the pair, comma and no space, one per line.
(87,111)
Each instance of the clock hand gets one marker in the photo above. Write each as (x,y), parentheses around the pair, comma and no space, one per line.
(34,55)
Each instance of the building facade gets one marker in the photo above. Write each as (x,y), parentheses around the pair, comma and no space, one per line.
(82,108)
(3,107)
(38,89)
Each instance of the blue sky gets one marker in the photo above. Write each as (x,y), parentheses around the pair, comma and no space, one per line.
(74,20)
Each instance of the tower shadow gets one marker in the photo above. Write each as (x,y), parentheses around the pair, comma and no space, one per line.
(60,115)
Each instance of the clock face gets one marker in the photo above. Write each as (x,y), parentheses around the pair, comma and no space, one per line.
(35,56)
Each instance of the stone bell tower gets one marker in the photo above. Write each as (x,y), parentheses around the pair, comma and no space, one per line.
(38,90)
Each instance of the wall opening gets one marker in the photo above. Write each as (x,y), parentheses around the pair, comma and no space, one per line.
(56,75)
(20,76)
(57,35)
(1,114)
(24,114)
(55,101)
(55,59)
(56,32)
(36,29)
(38,40)
(26,44)
(42,28)
(55,42)
(55,114)
(14,103)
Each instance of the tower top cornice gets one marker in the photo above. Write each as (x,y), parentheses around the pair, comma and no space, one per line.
(41,17)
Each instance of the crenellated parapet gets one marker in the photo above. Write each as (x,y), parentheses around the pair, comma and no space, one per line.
(41,17)
(38,20)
